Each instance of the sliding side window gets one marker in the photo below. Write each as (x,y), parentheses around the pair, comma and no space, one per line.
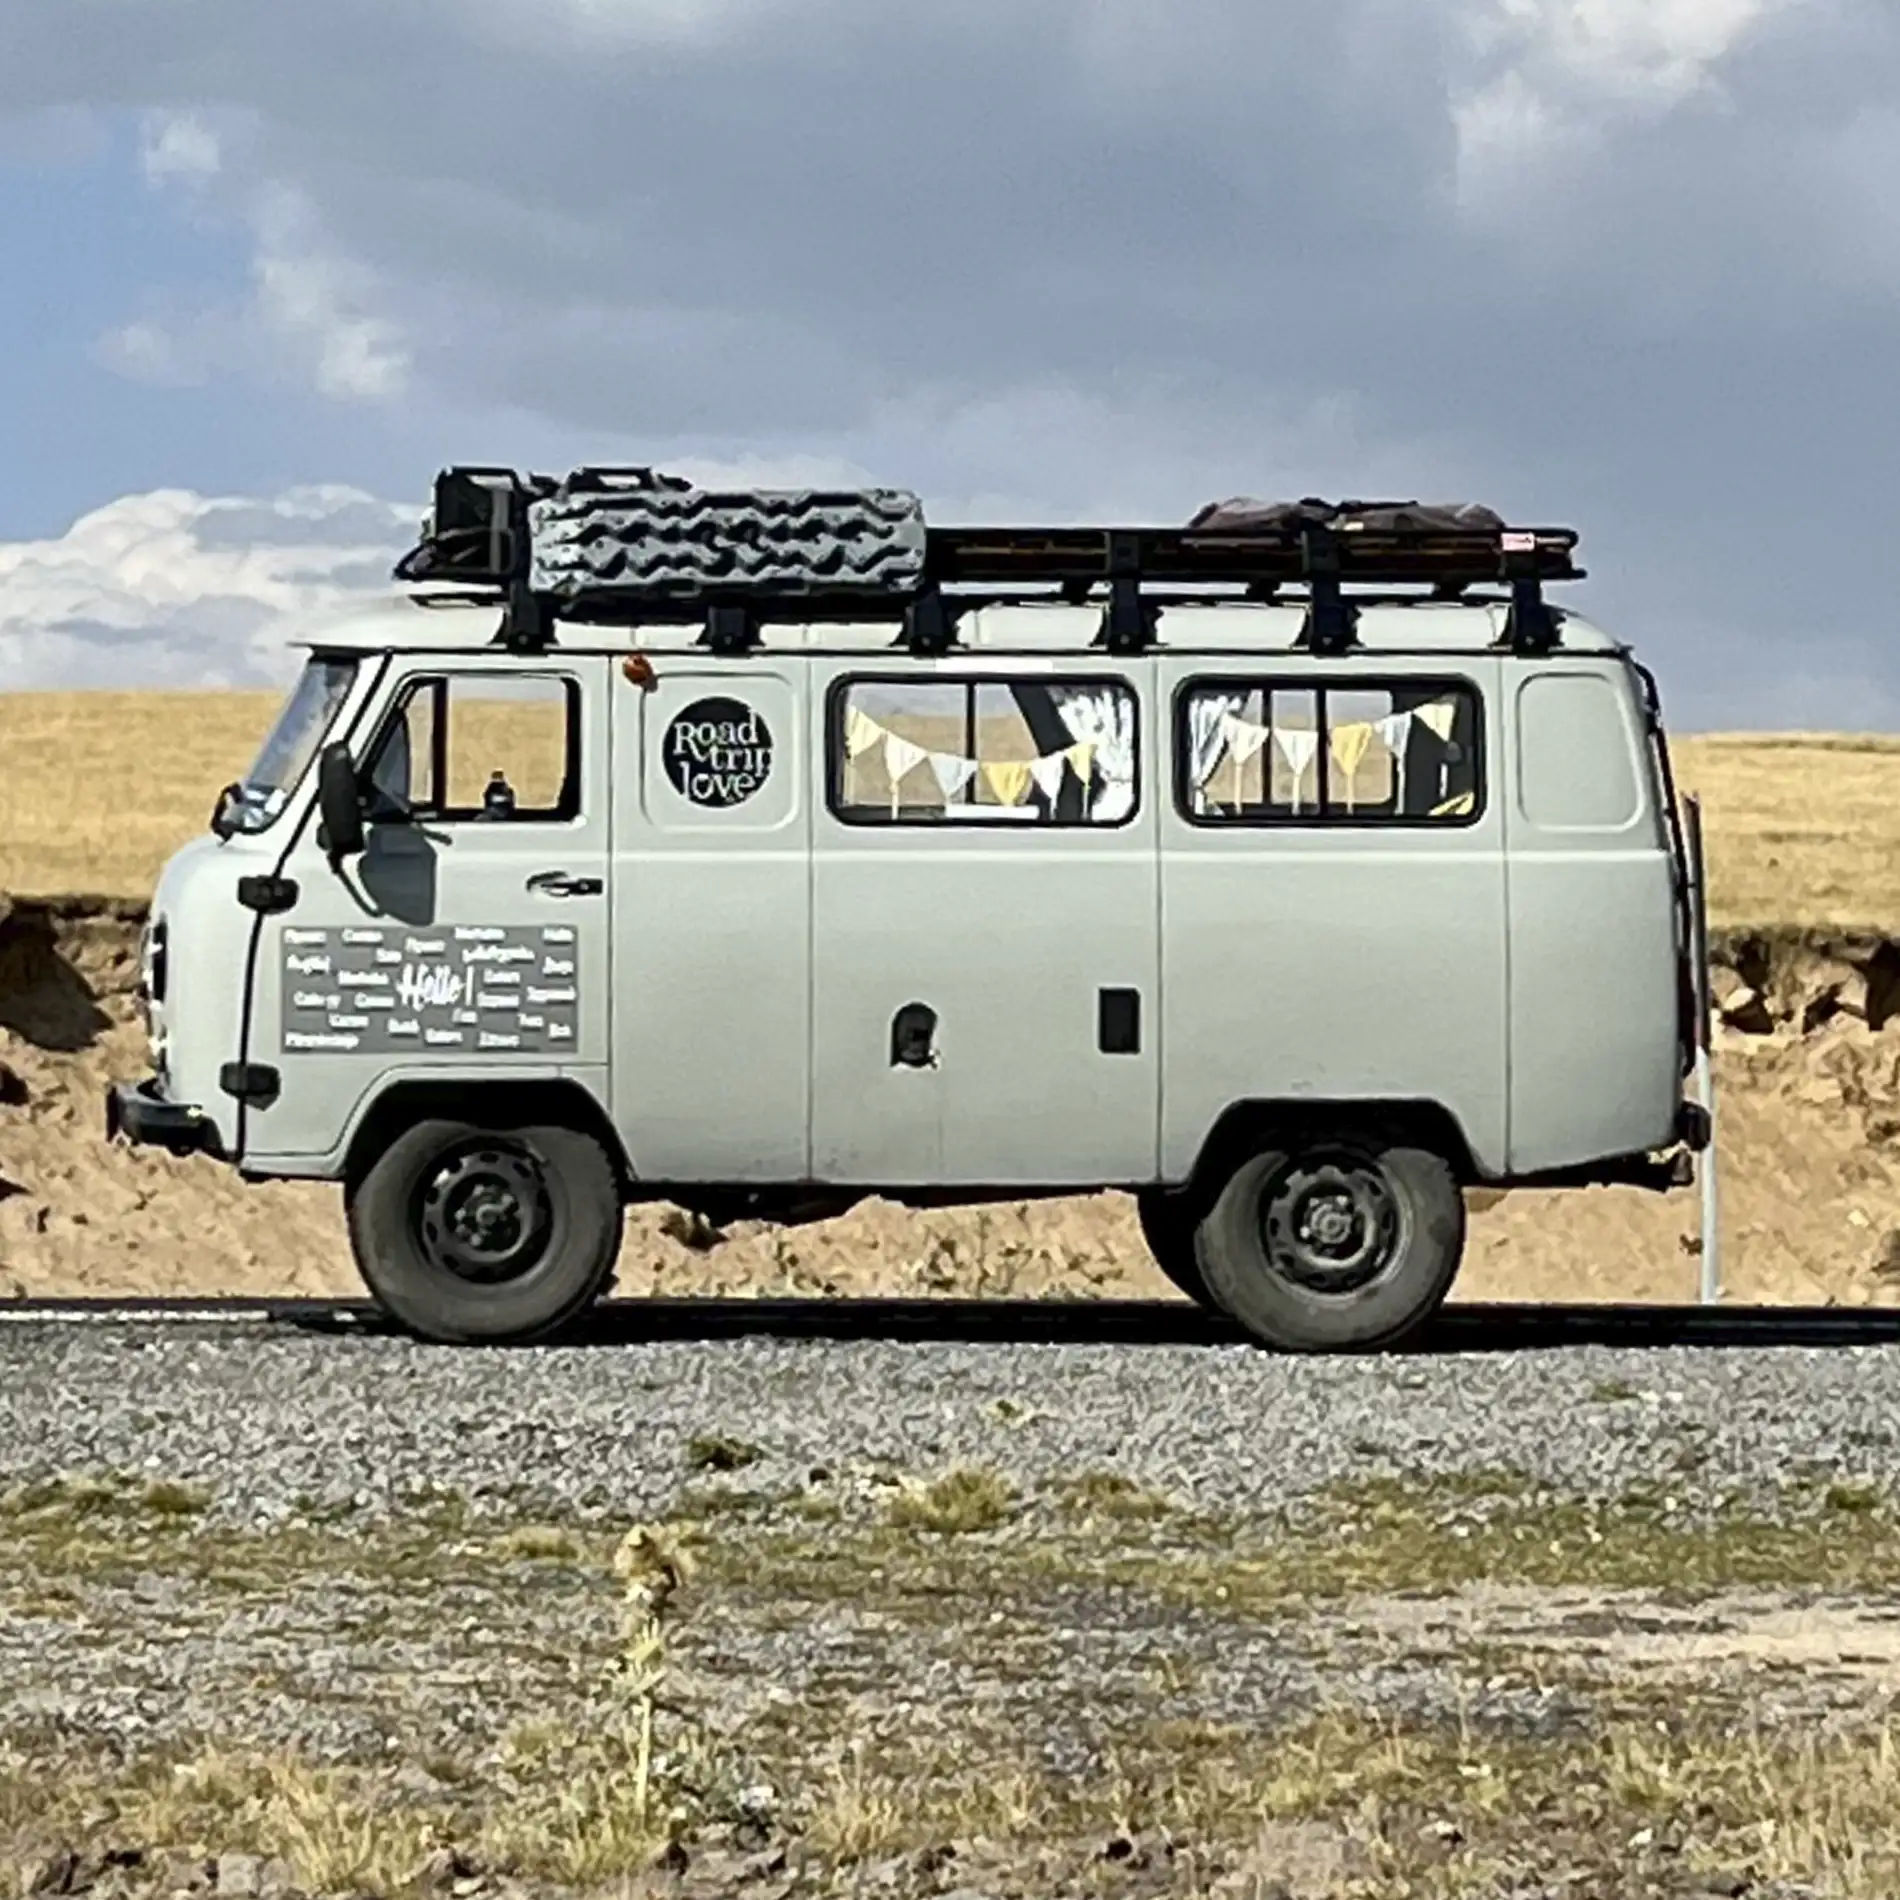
(1285,752)
(990,751)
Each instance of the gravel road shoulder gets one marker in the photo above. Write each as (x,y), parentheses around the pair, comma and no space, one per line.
(350,1615)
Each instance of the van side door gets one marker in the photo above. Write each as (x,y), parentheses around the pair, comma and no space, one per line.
(985,926)
(1596,1047)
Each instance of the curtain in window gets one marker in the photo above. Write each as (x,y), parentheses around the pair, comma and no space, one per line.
(1104,717)
(1207,738)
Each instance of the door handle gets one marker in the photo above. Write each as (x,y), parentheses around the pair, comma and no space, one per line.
(559,884)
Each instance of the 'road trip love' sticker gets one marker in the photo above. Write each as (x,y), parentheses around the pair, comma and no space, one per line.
(717,752)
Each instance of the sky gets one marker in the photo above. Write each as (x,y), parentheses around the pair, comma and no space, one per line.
(1631,266)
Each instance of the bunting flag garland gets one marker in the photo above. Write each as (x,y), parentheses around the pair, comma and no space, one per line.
(1439,716)
(1009,780)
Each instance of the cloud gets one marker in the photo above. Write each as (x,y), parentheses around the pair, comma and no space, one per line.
(176,589)
(1632,263)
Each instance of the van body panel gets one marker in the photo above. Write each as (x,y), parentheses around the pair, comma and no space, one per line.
(712,919)
(1334,961)
(1596,1062)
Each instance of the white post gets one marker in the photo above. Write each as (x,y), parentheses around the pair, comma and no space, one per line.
(1711,1288)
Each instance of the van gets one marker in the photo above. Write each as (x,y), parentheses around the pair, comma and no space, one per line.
(1296,871)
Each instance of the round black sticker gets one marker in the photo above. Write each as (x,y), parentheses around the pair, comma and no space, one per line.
(717,752)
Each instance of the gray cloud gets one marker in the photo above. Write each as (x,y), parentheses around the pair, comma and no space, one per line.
(1635,266)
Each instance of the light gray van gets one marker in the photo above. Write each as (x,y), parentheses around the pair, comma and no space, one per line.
(1295,870)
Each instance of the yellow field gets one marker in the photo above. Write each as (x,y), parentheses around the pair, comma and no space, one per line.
(97,788)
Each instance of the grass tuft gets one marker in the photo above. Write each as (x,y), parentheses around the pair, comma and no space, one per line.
(961,1501)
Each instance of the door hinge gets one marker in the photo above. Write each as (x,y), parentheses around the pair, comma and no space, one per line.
(254,1082)
(267,895)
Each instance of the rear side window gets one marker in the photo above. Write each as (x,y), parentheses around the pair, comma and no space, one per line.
(983,752)
(1300,752)
(1577,765)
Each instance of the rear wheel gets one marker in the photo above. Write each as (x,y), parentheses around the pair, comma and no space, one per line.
(470,1234)
(1167,1225)
(1334,1245)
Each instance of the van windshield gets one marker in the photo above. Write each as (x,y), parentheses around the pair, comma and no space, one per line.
(292,743)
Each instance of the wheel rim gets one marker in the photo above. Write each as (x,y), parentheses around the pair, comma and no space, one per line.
(484,1214)
(1331,1224)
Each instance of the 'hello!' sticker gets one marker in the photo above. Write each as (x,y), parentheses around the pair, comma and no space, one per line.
(717,752)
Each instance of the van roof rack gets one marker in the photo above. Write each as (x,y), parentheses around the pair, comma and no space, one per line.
(627,545)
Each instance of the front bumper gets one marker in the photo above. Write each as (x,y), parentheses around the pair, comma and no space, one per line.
(140,1113)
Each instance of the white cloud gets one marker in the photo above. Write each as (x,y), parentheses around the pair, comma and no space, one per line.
(178,145)
(172,588)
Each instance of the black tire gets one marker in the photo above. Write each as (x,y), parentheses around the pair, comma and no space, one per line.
(1334,1245)
(1167,1225)
(486,1235)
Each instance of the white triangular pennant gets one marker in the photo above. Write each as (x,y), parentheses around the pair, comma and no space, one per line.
(1244,738)
(951,772)
(1297,746)
(1394,729)
(1438,716)
(861,731)
(900,757)
(1047,772)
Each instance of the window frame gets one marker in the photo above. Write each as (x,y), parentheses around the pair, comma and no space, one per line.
(1320,685)
(567,811)
(837,698)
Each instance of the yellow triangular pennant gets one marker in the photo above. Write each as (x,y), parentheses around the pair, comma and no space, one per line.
(1009,779)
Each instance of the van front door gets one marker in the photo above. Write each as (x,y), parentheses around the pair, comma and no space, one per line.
(468,942)
(985,925)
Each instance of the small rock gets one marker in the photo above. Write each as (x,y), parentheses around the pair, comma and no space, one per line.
(239,1877)
(275,1879)
(1728,1885)
(63,1872)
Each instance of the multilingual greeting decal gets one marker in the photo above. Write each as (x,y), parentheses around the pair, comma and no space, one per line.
(385,989)
(717,752)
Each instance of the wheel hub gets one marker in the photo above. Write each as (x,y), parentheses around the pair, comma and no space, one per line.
(484,1215)
(1331,1224)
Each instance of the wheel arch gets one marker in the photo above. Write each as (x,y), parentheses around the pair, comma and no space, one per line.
(1245,1128)
(490,1103)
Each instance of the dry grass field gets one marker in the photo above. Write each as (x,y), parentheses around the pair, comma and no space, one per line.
(99,788)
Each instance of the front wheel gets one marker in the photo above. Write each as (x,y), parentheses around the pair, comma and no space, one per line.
(468,1234)
(1334,1246)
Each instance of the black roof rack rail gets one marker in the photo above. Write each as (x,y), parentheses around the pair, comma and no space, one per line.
(631,544)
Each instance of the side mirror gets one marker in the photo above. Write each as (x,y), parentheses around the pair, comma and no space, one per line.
(339,802)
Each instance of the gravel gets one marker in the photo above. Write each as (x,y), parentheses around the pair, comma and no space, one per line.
(274,1419)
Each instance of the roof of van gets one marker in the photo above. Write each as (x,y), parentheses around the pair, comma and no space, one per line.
(444,621)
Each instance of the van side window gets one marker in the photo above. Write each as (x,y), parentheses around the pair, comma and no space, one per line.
(1275,752)
(988,751)
(480,747)
(1576,754)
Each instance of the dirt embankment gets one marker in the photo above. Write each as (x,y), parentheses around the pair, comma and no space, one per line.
(1808,1069)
